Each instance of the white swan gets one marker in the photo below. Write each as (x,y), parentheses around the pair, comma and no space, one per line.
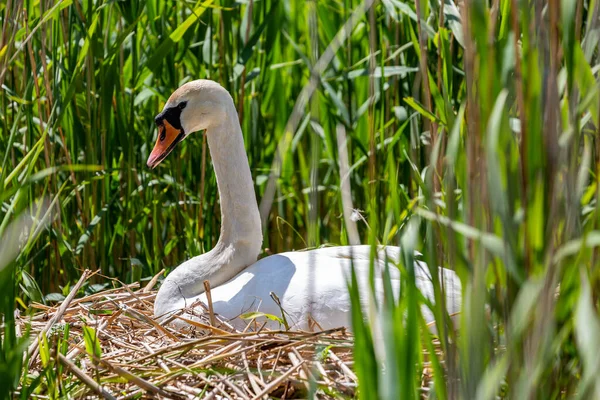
(309,284)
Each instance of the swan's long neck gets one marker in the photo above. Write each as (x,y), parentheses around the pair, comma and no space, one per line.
(240,219)
(241,235)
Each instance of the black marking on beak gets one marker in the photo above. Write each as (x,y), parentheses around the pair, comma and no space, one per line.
(172,115)
(168,119)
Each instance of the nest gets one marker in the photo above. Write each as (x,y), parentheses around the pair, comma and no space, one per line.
(108,345)
(127,354)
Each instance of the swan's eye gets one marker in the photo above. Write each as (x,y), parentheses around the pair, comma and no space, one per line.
(182,105)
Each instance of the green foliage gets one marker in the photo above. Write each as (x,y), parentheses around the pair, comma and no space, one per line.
(15,237)
(471,130)
(11,350)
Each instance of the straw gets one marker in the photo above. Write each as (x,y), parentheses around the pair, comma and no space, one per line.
(139,356)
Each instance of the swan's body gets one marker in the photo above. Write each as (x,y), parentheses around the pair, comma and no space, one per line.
(306,283)
(310,285)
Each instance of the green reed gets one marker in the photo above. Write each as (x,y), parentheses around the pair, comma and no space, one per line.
(470,136)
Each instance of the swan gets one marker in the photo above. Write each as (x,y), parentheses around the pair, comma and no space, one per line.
(310,286)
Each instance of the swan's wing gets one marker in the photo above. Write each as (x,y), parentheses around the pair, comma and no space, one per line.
(327,259)
(313,282)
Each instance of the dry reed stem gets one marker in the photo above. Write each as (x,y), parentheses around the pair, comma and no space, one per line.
(58,315)
(82,376)
(270,387)
(211,311)
(153,281)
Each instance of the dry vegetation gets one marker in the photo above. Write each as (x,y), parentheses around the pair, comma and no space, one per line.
(109,345)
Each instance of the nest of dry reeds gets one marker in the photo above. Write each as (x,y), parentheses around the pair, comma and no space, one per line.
(127,354)
(108,345)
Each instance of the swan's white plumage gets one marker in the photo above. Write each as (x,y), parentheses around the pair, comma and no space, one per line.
(309,284)
(314,283)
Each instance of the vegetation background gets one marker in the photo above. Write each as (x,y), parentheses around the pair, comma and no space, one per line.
(468,131)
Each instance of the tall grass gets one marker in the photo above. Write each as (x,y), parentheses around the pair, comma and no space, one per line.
(470,132)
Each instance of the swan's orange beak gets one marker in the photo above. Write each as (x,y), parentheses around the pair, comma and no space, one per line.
(168,137)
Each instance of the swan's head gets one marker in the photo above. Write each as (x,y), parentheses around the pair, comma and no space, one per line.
(195,106)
